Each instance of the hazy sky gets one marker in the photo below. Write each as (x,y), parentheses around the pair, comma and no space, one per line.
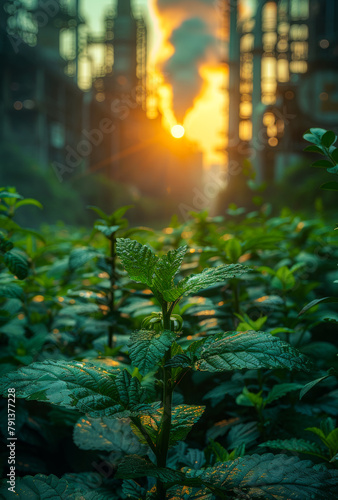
(94,10)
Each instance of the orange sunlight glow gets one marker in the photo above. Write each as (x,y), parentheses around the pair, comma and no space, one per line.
(177,131)
(204,123)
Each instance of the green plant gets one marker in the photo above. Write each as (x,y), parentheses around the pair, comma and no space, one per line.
(14,259)
(159,362)
(110,226)
(323,143)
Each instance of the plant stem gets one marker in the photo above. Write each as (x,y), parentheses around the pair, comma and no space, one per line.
(112,290)
(137,422)
(162,444)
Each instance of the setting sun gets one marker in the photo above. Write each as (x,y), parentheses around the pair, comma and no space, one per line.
(177,131)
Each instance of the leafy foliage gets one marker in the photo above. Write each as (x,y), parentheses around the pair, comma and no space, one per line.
(295,445)
(107,434)
(147,348)
(41,486)
(37,487)
(323,143)
(270,476)
(79,385)
(183,418)
(126,365)
(142,265)
(265,476)
(248,350)
(138,260)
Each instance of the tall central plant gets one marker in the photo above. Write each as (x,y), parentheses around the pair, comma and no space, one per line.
(148,347)
(229,351)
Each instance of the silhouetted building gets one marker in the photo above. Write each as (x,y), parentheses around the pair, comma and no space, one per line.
(137,151)
(42,109)
(103,130)
(283,79)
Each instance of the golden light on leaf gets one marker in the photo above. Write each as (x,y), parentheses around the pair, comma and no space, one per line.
(177,131)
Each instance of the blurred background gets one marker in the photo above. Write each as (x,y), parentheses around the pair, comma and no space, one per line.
(170,105)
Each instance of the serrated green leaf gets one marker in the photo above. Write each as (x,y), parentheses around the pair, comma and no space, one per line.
(80,385)
(182,420)
(132,489)
(134,466)
(180,361)
(17,263)
(107,434)
(269,476)
(70,487)
(280,390)
(206,278)
(167,267)
(242,434)
(36,488)
(86,486)
(189,493)
(138,260)
(144,266)
(295,445)
(90,480)
(12,291)
(147,348)
(238,350)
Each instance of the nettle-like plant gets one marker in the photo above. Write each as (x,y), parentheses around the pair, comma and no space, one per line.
(323,143)
(158,424)
(16,261)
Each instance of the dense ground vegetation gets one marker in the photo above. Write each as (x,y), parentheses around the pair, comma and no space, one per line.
(120,332)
